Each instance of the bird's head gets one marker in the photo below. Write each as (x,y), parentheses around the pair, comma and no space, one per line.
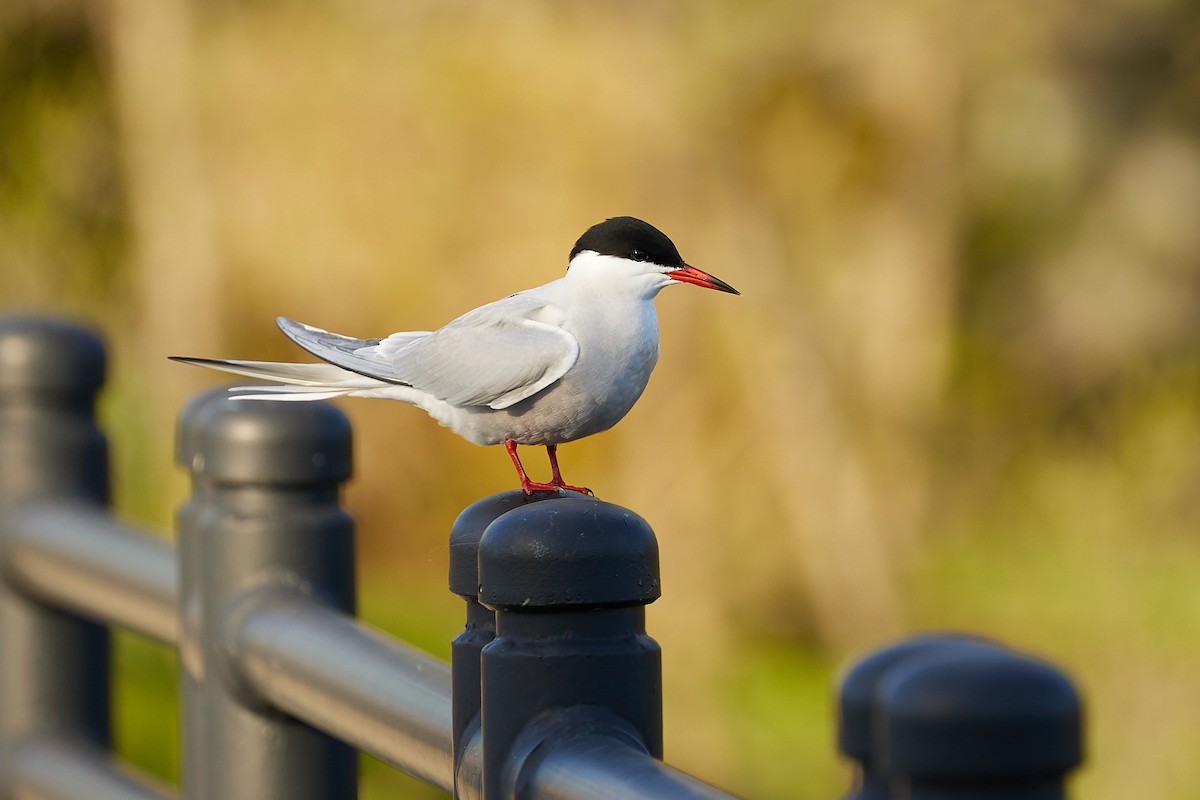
(626,252)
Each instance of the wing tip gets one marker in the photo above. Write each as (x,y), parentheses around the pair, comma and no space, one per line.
(286,324)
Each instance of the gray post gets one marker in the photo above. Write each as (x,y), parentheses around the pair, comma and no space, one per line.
(480,625)
(859,715)
(192,421)
(53,666)
(964,723)
(264,520)
(569,579)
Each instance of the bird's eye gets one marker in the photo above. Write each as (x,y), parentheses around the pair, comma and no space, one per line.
(639,255)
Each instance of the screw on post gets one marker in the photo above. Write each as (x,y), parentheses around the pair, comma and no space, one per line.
(53,666)
(263,524)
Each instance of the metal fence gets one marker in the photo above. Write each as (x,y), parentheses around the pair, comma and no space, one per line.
(553,690)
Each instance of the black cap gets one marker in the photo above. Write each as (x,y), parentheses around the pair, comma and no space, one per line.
(572,552)
(979,714)
(265,441)
(857,700)
(49,357)
(468,530)
(629,237)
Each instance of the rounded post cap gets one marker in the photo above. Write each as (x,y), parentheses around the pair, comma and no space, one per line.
(467,531)
(191,422)
(968,713)
(263,441)
(568,553)
(48,355)
(857,707)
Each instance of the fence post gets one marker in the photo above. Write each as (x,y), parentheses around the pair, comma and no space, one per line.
(263,520)
(191,659)
(54,667)
(968,722)
(859,714)
(480,626)
(569,580)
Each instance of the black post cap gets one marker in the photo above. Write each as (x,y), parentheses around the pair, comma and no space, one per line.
(857,707)
(468,530)
(49,356)
(572,552)
(267,441)
(977,714)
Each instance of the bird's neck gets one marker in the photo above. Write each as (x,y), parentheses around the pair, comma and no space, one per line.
(613,279)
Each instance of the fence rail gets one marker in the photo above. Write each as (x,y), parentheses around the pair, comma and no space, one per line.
(554,688)
(80,559)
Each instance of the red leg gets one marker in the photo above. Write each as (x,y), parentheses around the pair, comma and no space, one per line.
(556,476)
(527,486)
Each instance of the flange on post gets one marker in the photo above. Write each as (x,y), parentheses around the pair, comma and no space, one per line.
(569,581)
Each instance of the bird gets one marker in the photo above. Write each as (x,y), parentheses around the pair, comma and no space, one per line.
(544,366)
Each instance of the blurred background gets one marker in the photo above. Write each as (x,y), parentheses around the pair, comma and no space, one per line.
(961,388)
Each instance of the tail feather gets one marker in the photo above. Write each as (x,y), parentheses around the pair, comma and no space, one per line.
(317,376)
(289,393)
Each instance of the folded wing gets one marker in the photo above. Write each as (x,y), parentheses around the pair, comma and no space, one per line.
(494,356)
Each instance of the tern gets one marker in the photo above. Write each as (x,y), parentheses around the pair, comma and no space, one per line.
(541,367)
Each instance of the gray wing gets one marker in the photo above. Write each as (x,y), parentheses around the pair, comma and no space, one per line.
(344,351)
(495,356)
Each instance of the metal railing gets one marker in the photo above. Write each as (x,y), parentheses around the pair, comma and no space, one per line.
(553,691)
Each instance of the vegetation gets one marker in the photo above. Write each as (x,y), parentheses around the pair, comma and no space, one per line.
(961,388)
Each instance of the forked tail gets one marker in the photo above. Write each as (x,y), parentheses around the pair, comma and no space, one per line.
(292,381)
